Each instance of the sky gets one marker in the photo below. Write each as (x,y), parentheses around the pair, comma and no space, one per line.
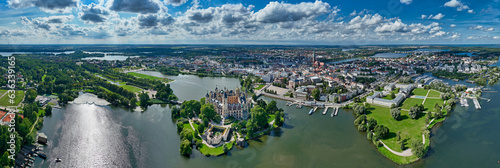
(316,22)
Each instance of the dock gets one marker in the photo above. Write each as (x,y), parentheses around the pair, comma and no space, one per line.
(464,102)
(476,103)
(335,111)
(326,109)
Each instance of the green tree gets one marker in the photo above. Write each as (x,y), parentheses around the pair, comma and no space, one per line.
(48,110)
(372,123)
(315,93)
(259,116)
(393,96)
(271,107)
(133,103)
(5,161)
(201,128)
(144,99)
(336,100)
(414,112)
(186,148)
(208,111)
(361,120)
(381,131)
(224,147)
(199,143)
(277,118)
(30,96)
(395,113)
(187,134)
(369,135)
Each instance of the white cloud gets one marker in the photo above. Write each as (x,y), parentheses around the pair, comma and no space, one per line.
(175,2)
(470,11)
(13,23)
(92,13)
(275,12)
(482,28)
(353,13)
(453,25)
(50,6)
(459,5)
(423,17)
(439,16)
(407,2)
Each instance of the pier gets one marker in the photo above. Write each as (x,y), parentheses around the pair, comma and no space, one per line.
(476,103)
(335,112)
(326,109)
(464,102)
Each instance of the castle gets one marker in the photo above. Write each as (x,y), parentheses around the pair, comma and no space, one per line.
(229,103)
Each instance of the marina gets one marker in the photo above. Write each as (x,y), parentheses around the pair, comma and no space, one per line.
(326,110)
(476,103)
(464,102)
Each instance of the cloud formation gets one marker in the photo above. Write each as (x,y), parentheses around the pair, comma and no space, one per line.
(407,2)
(275,12)
(50,6)
(175,2)
(93,13)
(482,28)
(459,5)
(135,6)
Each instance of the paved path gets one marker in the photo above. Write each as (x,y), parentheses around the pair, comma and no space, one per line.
(426,96)
(405,153)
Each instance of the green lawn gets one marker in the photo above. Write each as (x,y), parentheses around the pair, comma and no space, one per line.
(4,101)
(430,103)
(2,92)
(397,159)
(260,87)
(144,76)
(420,92)
(410,102)
(409,128)
(131,88)
(387,97)
(434,93)
(205,150)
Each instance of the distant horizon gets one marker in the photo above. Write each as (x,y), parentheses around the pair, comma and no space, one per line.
(292,22)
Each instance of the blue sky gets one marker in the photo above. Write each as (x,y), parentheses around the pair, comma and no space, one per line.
(335,22)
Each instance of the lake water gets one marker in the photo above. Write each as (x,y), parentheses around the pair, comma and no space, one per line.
(84,135)
(390,55)
(8,54)
(110,58)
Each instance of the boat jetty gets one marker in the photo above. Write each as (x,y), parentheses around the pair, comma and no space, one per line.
(476,103)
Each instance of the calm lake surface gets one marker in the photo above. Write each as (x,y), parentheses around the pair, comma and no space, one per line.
(85,135)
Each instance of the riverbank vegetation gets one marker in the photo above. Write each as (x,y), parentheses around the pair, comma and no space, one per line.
(405,127)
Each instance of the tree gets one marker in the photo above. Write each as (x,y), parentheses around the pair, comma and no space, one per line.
(395,113)
(271,107)
(208,111)
(277,118)
(402,145)
(5,161)
(417,148)
(315,93)
(369,135)
(254,97)
(372,123)
(359,109)
(362,128)
(199,143)
(202,100)
(201,128)
(144,100)
(133,103)
(259,116)
(381,131)
(30,96)
(186,148)
(224,147)
(393,96)
(414,112)
(360,120)
(187,134)
(48,110)
(398,136)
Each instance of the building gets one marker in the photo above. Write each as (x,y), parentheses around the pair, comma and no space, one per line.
(229,103)
(377,97)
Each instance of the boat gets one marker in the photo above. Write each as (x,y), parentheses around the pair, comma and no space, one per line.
(311,111)
(42,155)
(456,80)
(58,160)
(299,106)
